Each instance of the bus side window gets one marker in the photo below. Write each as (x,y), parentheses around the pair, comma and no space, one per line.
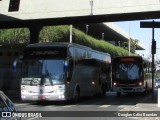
(70,70)
(104,68)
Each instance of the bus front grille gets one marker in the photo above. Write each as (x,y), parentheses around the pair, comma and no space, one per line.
(127,88)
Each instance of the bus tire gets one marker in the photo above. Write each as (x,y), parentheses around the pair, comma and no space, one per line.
(103,91)
(76,94)
(146,90)
(118,94)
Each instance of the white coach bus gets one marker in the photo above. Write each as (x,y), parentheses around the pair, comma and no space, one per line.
(63,71)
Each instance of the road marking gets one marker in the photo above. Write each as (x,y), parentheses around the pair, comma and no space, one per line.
(104,106)
(122,106)
(109,104)
(129,104)
(21,104)
(69,106)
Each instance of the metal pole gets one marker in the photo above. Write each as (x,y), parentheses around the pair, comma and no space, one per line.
(91,3)
(70,33)
(153,65)
(129,44)
(102,36)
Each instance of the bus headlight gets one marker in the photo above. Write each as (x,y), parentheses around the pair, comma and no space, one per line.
(115,84)
(23,97)
(140,83)
(61,97)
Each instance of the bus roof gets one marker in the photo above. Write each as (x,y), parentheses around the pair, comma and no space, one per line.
(65,44)
(50,44)
(143,58)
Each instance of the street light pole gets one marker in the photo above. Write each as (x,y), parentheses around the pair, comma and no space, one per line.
(152,25)
(102,36)
(71,27)
(153,63)
(129,44)
(87,29)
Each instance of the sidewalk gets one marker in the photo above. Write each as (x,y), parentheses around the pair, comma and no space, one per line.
(145,108)
(148,104)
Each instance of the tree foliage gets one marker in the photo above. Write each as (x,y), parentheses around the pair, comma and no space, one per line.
(14,35)
(62,34)
(133,45)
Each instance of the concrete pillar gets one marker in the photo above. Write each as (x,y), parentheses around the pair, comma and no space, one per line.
(34,33)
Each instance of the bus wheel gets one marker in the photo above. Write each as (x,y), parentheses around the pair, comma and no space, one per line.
(76,95)
(103,91)
(118,94)
(146,90)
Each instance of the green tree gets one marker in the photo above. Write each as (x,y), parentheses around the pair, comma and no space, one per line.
(61,34)
(14,35)
(133,45)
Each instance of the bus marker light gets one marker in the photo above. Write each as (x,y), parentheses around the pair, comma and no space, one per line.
(93,83)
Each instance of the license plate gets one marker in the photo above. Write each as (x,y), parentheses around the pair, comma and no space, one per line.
(41,97)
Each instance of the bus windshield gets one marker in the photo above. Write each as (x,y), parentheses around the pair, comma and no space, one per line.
(47,70)
(127,71)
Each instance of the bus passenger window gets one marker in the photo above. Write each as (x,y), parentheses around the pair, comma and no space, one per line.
(70,70)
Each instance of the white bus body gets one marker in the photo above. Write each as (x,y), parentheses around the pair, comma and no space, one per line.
(63,71)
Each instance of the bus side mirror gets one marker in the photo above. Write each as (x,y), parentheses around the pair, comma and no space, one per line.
(14,65)
(66,65)
(68,78)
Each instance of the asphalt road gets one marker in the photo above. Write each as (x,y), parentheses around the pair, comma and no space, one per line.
(88,108)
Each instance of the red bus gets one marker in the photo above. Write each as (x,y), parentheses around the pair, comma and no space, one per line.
(131,74)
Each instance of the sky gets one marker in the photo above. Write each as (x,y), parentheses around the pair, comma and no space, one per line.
(144,35)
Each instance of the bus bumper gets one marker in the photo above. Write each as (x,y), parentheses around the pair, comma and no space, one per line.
(128,89)
(43,97)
